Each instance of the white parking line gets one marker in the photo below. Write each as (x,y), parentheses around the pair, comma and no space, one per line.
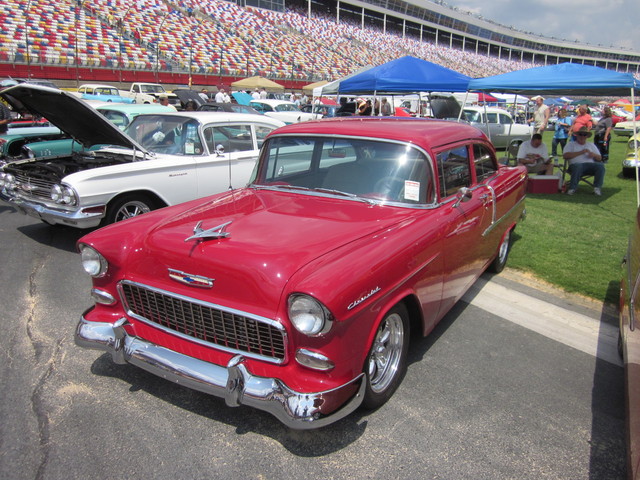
(576,330)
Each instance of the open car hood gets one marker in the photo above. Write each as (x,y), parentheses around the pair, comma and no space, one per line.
(69,113)
(185,95)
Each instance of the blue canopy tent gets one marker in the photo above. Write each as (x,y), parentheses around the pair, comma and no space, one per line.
(563,79)
(405,75)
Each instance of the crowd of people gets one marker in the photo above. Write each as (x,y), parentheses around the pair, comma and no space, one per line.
(571,134)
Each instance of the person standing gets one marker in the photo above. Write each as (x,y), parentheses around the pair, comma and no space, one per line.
(540,115)
(561,134)
(220,96)
(385,107)
(5,118)
(584,159)
(602,134)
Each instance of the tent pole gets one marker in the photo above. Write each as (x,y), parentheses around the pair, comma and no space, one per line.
(635,144)
(466,95)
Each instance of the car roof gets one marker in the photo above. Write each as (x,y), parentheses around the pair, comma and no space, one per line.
(130,108)
(477,108)
(427,133)
(97,85)
(217,117)
(271,101)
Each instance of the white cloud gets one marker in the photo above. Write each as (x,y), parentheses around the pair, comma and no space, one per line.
(611,22)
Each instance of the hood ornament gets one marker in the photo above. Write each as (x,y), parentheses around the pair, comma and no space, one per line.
(215,232)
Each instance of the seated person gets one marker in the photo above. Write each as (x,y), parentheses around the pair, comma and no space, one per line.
(584,159)
(534,155)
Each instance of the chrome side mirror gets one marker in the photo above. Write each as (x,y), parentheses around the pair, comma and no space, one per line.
(463,195)
(219,149)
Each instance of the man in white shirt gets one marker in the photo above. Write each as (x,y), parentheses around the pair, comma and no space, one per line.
(540,114)
(534,155)
(584,159)
(220,96)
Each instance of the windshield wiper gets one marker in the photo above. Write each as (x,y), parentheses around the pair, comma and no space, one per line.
(282,187)
(345,194)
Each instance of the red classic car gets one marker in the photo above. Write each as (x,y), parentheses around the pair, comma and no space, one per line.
(298,294)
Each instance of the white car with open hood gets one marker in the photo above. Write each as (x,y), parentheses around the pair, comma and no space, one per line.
(160,159)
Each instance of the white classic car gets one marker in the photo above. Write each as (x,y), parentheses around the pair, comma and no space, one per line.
(283,110)
(161,159)
(498,125)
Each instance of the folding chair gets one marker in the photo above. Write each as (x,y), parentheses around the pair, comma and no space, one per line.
(565,171)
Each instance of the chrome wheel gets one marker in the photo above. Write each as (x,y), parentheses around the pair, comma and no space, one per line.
(503,254)
(386,353)
(131,209)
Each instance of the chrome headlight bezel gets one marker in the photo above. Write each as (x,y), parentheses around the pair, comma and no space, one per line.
(93,263)
(308,315)
(7,181)
(63,195)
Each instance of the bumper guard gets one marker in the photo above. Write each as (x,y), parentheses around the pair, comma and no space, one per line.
(234,382)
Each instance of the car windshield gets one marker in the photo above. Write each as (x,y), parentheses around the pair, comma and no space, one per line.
(286,107)
(152,89)
(167,134)
(369,169)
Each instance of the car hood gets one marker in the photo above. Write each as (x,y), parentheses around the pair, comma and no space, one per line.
(185,95)
(271,235)
(69,113)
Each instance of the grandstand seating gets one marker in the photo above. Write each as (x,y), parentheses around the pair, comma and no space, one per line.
(211,36)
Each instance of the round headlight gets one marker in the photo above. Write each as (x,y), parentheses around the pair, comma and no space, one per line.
(92,262)
(308,315)
(7,181)
(63,195)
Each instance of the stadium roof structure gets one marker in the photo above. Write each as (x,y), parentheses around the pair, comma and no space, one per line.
(561,79)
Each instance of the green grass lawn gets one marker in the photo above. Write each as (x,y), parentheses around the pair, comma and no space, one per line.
(577,242)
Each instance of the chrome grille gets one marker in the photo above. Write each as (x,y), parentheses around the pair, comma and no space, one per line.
(34,187)
(207,323)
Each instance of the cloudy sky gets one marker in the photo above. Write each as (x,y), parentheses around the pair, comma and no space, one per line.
(606,22)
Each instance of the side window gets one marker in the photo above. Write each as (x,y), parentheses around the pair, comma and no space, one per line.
(484,162)
(492,118)
(262,132)
(234,138)
(188,139)
(505,119)
(453,170)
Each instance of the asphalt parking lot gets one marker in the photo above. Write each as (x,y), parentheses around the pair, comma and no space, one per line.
(517,382)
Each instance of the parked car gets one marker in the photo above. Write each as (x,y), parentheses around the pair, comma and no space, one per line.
(629,346)
(298,294)
(283,110)
(321,109)
(630,158)
(498,125)
(106,93)
(227,107)
(625,129)
(120,114)
(15,140)
(162,159)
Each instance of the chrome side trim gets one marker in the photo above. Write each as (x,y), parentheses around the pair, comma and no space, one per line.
(234,383)
(497,222)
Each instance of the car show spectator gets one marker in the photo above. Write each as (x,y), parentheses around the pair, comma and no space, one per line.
(385,107)
(5,118)
(561,134)
(540,114)
(534,155)
(582,120)
(220,96)
(602,134)
(584,159)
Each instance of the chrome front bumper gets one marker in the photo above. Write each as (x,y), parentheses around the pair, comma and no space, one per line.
(51,216)
(234,382)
